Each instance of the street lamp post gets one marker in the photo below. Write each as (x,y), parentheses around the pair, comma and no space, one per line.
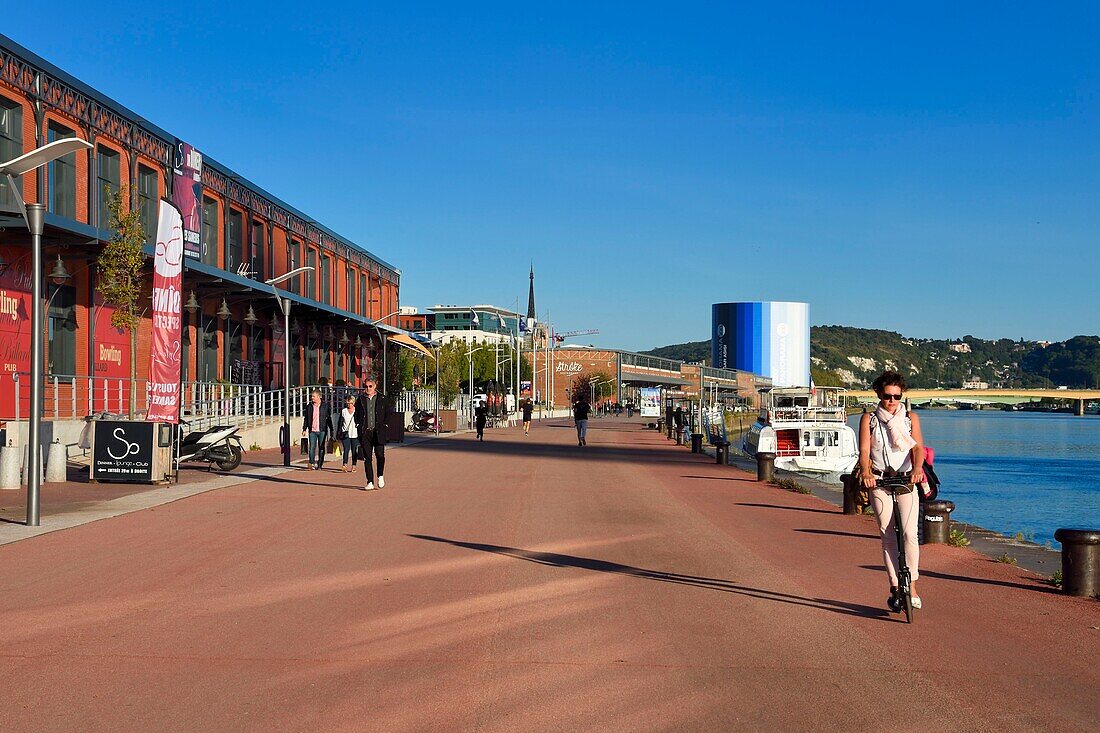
(470,386)
(382,340)
(284,306)
(34,216)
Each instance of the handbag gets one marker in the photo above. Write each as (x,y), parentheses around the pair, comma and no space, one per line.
(305,446)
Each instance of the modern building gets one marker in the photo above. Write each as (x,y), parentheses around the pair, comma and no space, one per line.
(447,323)
(411,319)
(236,235)
(627,372)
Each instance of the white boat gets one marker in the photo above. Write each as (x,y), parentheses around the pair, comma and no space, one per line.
(807,430)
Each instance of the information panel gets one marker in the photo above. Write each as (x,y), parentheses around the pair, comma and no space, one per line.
(123,451)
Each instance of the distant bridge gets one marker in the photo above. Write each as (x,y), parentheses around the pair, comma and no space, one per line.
(990,396)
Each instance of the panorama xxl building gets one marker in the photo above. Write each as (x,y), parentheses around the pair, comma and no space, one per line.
(236,236)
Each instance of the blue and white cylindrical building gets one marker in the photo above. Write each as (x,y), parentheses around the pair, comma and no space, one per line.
(771,339)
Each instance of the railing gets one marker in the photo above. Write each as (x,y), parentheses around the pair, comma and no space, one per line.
(72,397)
(807,414)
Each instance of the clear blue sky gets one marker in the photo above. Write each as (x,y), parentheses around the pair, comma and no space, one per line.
(933,169)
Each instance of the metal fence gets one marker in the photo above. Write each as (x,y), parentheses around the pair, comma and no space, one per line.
(72,397)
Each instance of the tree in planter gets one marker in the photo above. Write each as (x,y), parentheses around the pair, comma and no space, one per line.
(582,386)
(121,267)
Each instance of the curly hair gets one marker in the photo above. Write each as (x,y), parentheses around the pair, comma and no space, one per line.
(887,379)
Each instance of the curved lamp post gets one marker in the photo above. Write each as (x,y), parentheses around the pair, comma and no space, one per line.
(284,306)
(34,216)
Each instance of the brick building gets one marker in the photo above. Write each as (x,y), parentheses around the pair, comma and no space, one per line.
(243,236)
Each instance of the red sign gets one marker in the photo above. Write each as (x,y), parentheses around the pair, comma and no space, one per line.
(164,357)
(15,332)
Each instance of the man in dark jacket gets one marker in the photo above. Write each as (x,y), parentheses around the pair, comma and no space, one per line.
(316,424)
(372,416)
(580,419)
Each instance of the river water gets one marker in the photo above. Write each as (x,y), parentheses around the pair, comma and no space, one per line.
(1013,472)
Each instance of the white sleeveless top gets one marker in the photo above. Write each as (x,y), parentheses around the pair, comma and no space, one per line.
(882,453)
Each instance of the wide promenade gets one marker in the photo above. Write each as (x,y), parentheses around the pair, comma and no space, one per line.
(524,584)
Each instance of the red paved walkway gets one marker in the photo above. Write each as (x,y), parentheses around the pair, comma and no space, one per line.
(523,584)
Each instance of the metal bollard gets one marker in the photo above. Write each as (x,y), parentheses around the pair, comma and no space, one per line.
(721,453)
(937,521)
(765,466)
(1080,561)
(696,443)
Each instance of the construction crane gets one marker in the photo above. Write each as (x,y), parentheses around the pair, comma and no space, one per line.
(560,337)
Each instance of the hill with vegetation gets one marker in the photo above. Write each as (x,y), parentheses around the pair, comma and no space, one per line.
(843,355)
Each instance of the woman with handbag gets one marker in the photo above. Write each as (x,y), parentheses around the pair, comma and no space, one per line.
(891,445)
(348,434)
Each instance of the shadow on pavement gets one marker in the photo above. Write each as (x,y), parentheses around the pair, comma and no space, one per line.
(791,508)
(554,559)
(722,478)
(1038,586)
(593,451)
(839,534)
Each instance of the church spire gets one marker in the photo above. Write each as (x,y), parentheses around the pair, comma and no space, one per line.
(531,298)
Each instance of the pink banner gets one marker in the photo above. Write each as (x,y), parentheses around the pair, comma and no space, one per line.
(164,357)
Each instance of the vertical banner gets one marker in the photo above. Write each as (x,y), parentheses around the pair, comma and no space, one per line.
(187,196)
(767,338)
(164,357)
(15,331)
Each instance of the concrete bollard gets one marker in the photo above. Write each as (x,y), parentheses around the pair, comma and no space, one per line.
(9,467)
(57,463)
(696,443)
(26,470)
(722,453)
(1080,561)
(765,466)
(937,521)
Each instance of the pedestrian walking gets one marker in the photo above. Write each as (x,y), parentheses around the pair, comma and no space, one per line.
(480,413)
(891,444)
(678,418)
(316,425)
(372,416)
(527,406)
(580,419)
(348,434)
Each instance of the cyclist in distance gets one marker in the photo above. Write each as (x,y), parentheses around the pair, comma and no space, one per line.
(891,445)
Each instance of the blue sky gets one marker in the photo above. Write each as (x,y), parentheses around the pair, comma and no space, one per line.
(929,169)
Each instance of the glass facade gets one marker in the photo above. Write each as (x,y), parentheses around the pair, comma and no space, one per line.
(234,237)
(109,181)
(148,201)
(209,231)
(61,176)
(11,141)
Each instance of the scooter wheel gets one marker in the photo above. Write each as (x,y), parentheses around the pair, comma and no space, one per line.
(234,460)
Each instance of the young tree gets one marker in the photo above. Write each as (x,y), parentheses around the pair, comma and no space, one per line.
(121,267)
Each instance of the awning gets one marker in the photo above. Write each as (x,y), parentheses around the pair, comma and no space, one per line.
(410,343)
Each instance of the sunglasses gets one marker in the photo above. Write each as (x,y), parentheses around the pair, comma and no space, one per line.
(887,397)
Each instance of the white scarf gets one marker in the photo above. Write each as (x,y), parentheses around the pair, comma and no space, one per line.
(900,439)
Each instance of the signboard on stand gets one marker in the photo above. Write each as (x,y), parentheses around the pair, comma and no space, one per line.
(651,401)
(122,451)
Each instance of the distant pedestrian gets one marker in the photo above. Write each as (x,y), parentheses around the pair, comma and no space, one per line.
(678,418)
(630,409)
(480,413)
(348,434)
(526,406)
(580,419)
(372,416)
(891,444)
(316,424)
